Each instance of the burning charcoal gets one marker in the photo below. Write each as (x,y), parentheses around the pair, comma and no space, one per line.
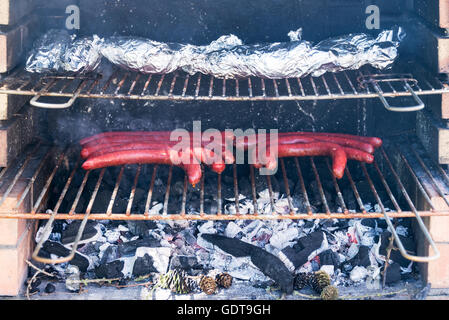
(369,223)
(409,245)
(393,273)
(160,256)
(184,262)
(49,288)
(282,239)
(110,270)
(269,264)
(233,231)
(129,248)
(112,235)
(207,227)
(143,266)
(343,224)
(51,247)
(245,186)
(90,233)
(309,224)
(140,228)
(352,251)
(297,255)
(362,257)
(108,253)
(329,257)
(381,223)
(291,186)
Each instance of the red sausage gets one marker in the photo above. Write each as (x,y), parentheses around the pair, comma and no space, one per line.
(292,139)
(337,153)
(202,154)
(142,157)
(374,141)
(157,135)
(358,155)
(251,141)
(100,144)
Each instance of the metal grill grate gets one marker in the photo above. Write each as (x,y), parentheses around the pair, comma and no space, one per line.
(364,83)
(379,190)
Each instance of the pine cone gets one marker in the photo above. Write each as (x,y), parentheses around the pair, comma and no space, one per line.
(323,280)
(176,280)
(314,284)
(208,285)
(329,293)
(302,280)
(224,280)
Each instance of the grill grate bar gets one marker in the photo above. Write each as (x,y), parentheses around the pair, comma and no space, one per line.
(133,191)
(80,191)
(303,187)
(167,191)
(344,85)
(286,186)
(236,189)
(354,189)
(387,187)
(270,192)
(184,196)
(253,188)
(219,199)
(202,192)
(66,186)
(337,188)
(114,192)
(150,191)
(320,186)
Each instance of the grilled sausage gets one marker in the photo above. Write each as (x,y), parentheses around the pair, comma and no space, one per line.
(147,156)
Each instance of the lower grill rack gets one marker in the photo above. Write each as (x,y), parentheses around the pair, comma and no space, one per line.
(303,188)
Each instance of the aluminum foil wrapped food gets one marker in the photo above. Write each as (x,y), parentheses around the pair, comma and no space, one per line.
(147,56)
(58,51)
(227,57)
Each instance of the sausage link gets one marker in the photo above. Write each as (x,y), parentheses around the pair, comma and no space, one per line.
(147,156)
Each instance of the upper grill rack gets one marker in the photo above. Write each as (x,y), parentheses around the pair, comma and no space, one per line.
(120,84)
(384,186)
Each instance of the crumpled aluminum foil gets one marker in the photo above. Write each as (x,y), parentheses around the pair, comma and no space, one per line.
(57,51)
(148,56)
(226,57)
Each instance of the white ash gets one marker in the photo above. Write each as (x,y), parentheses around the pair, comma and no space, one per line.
(358,274)
(329,269)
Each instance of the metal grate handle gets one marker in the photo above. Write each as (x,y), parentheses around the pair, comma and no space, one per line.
(419,106)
